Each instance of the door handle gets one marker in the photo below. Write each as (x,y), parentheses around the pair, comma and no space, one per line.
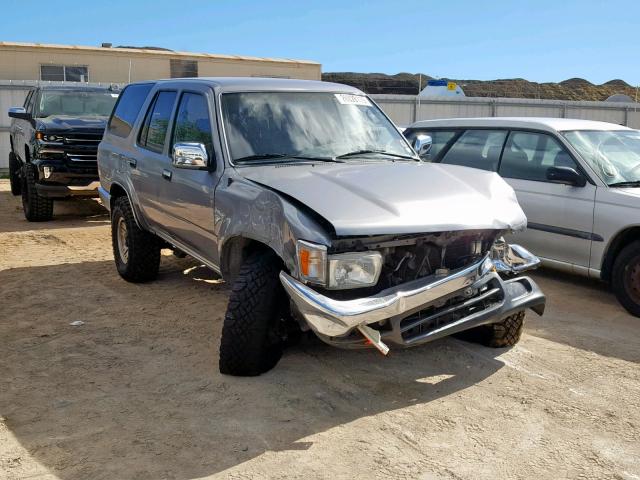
(166,174)
(133,163)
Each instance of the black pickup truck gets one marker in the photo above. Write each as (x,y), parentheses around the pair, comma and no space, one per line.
(54,140)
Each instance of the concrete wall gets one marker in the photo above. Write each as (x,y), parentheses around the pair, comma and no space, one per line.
(406,109)
(23,61)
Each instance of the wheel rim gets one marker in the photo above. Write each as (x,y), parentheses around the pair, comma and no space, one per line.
(123,248)
(632,280)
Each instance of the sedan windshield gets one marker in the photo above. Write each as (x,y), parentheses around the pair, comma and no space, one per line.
(304,126)
(615,154)
(75,103)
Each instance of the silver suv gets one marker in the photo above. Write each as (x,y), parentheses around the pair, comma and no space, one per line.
(578,182)
(307,199)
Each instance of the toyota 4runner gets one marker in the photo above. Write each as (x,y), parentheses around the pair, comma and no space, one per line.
(307,199)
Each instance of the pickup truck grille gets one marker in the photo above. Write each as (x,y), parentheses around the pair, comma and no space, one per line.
(82,147)
(469,302)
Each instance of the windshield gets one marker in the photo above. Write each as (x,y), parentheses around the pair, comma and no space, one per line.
(307,125)
(615,154)
(75,103)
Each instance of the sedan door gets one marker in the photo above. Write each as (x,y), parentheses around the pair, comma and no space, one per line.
(560,216)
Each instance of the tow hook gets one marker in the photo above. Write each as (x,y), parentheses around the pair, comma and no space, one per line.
(374,337)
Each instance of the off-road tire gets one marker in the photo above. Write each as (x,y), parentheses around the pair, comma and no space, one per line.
(251,343)
(14,174)
(143,248)
(505,333)
(625,278)
(36,207)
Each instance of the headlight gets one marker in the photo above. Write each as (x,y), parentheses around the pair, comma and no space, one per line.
(354,270)
(341,271)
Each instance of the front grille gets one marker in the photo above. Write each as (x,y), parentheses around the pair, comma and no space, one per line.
(469,302)
(82,147)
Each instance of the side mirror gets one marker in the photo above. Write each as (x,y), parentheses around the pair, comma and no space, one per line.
(19,112)
(190,155)
(566,175)
(422,144)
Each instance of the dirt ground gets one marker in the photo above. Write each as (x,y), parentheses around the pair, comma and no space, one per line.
(134,392)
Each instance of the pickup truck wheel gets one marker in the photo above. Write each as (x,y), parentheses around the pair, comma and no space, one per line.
(251,341)
(14,175)
(136,251)
(625,278)
(36,207)
(505,333)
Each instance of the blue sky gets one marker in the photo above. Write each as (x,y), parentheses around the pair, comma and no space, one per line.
(537,40)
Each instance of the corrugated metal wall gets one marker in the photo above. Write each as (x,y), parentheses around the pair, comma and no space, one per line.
(406,109)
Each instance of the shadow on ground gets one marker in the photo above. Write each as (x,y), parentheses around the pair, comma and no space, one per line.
(135,391)
(584,313)
(72,213)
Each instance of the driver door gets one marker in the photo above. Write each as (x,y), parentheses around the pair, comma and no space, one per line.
(559,217)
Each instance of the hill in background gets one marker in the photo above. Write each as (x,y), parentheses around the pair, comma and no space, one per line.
(408,84)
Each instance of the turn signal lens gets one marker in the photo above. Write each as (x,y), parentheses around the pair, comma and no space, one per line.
(312,262)
(39,135)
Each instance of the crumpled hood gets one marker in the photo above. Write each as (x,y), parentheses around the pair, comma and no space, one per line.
(396,198)
(64,122)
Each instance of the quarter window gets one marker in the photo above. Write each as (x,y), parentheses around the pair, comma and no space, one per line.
(127,109)
(192,121)
(156,122)
(527,156)
(477,149)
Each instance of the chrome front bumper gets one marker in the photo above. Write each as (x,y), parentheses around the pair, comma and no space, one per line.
(468,297)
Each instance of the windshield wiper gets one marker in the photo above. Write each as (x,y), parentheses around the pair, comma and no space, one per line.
(282,157)
(630,183)
(380,152)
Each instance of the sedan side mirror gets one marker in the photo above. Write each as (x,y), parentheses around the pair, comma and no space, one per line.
(422,144)
(566,175)
(190,155)
(19,112)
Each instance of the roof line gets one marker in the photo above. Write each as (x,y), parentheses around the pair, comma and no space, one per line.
(146,52)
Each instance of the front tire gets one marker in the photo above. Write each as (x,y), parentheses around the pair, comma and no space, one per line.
(14,174)
(36,207)
(252,340)
(136,251)
(625,278)
(505,333)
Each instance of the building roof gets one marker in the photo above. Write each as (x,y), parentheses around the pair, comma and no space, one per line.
(244,84)
(148,52)
(538,123)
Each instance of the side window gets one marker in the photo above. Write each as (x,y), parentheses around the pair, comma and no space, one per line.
(440,139)
(192,121)
(527,156)
(126,110)
(156,122)
(477,149)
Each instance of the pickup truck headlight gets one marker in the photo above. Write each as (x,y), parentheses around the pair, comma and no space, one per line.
(340,271)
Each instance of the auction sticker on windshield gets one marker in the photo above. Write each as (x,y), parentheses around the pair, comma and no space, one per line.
(347,99)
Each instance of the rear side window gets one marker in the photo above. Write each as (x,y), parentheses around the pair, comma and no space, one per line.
(192,121)
(477,149)
(127,109)
(439,138)
(156,122)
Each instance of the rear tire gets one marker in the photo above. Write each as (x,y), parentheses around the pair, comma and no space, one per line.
(36,207)
(252,339)
(136,251)
(14,174)
(505,333)
(625,278)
